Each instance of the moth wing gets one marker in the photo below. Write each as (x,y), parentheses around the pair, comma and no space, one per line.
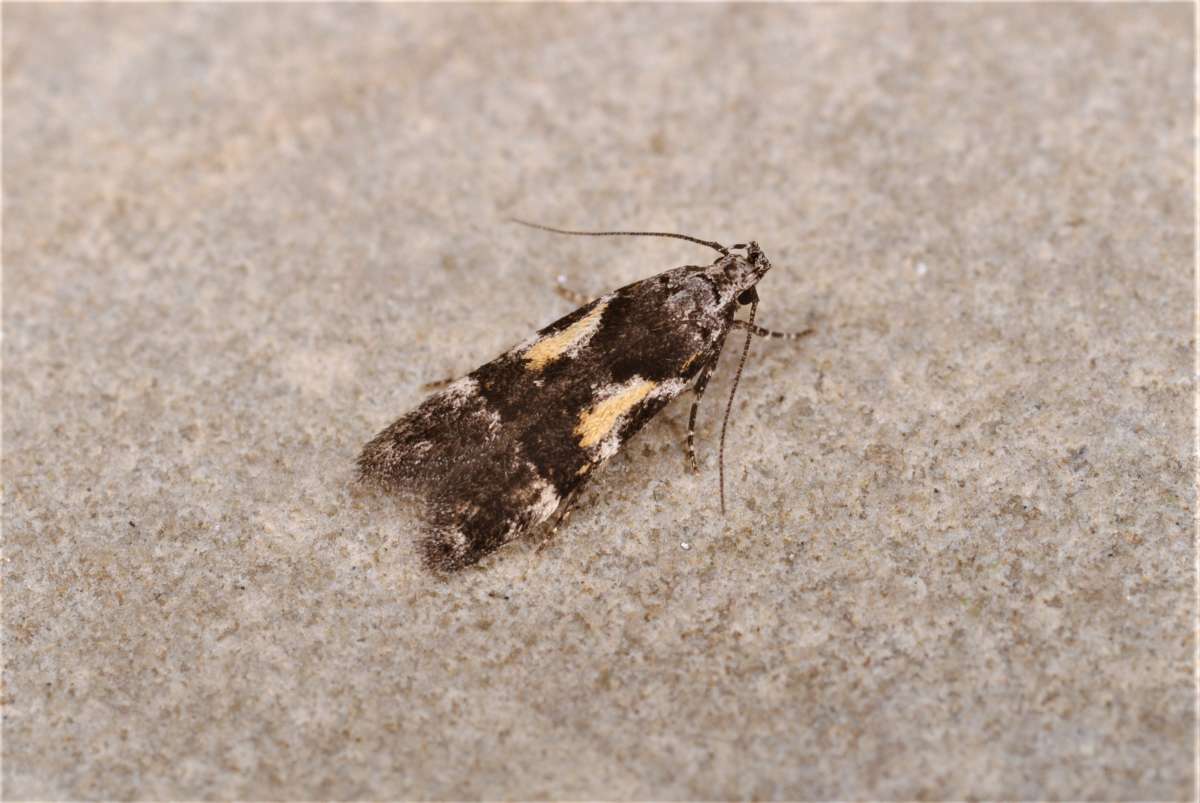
(496,452)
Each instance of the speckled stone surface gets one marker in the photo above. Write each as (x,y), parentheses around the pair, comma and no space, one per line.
(958,560)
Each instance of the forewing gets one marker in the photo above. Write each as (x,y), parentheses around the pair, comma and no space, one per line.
(496,452)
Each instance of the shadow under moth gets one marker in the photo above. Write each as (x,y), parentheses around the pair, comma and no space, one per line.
(504,448)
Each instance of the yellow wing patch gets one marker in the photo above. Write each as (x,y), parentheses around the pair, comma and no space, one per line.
(551,347)
(597,421)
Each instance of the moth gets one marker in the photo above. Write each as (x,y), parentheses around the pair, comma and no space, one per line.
(502,449)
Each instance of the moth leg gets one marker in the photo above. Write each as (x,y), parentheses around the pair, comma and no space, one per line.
(574,296)
(564,514)
(758,331)
(701,385)
(439,384)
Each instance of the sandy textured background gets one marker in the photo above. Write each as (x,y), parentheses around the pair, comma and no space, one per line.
(958,557)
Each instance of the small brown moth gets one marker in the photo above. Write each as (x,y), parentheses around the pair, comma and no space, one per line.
(500,450)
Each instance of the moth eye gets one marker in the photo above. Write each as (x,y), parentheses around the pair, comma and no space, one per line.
(748,296)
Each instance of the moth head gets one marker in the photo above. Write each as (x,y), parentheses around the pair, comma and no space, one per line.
(744,270)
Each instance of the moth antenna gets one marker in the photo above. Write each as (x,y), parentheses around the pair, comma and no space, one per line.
(729,404)
(713,245)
